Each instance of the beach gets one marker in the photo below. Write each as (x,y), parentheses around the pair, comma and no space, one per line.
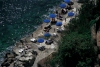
(32,48)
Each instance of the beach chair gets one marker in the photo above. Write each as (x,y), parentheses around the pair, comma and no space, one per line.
(71,3)
(53,22)
(49,42)
(42,48)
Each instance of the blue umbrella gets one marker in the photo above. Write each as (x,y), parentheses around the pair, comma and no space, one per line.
(46,21)
(47,34)
(40,40)
(52,15)
(58,23)
(70,14)
(62,5)
(67,1)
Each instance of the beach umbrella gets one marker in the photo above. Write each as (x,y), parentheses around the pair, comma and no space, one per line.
(46,21)
(47,34)
(70,14)
(52,16)
(67,1)
(62,5)
(40,40)
(59,24)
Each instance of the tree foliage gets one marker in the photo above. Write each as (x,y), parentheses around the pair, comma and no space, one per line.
(76,48)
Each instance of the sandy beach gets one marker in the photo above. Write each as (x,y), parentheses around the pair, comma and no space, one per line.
(39,33)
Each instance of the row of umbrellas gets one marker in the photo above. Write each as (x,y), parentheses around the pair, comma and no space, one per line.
(47,34)
(54,15)
(57,24)
(41,40)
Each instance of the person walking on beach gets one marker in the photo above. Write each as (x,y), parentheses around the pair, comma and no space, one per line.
(32,34)
(25,41)
(42,32)
(41,26)
(22,42)
(56,11)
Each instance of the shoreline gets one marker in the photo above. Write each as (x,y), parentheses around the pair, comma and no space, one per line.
(37,31)
(3,52)
(28,17)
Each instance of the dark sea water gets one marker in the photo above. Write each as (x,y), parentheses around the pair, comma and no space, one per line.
(21,17)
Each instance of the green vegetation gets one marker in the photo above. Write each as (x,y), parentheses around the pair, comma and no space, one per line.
(76,48)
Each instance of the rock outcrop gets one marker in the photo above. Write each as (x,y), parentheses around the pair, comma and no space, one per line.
(44,61)
(25,60)
(9,58)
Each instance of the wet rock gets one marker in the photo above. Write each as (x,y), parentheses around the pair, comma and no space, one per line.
(25,60)
(18,64)
(9,55)
(9,58)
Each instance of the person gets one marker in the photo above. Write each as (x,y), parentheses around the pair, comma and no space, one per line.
(32,34)
(56,11)
(60,17)
(54,29)
(22,42)
(68,7)
(65,19)
(53,19)
(41,26)
(25,41)
(64,26)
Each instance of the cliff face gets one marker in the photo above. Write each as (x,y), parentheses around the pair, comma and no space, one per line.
(95,32)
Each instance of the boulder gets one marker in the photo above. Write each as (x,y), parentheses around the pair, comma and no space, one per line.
(29,62)
(25,60)
(9,58)
(9,55)
(18,64)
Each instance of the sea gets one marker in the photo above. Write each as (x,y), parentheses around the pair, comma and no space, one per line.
(19,18)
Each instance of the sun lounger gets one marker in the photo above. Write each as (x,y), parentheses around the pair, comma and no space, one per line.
(49,42)
(53,22)
(21,50)
(71,3)
(59,31)
(33,40)
(64,11)
(47,28)
(68,7)
(42,48)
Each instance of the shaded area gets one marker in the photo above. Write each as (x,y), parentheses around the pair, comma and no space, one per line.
(76,48)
